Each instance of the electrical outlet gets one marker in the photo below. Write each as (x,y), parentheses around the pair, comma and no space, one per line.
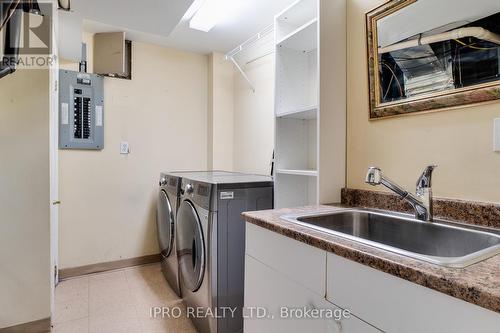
(496,135)
(124,147)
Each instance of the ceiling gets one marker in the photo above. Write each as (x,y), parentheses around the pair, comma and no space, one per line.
(166,22)
(149,16)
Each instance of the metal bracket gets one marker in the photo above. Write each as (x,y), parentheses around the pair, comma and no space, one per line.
(242,73)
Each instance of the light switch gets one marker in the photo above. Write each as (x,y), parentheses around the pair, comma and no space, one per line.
(124,148)
(496,135)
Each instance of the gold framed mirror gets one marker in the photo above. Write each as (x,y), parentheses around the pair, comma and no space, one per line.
(426,55)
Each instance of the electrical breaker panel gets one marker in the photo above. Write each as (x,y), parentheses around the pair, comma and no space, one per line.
(81,110)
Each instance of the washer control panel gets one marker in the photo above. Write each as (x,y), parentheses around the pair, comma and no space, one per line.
(199,193)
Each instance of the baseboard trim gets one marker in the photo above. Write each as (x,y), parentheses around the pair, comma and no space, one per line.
(37,326)
(66,273)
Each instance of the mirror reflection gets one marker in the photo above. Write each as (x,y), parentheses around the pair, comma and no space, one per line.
(435,47)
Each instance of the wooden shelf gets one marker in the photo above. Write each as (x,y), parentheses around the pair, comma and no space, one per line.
(308,173)
(304,38)
(305,113)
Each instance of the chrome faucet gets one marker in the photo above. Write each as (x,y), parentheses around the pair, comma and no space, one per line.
(421,202)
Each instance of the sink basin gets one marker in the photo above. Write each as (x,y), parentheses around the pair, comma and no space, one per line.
(436,242)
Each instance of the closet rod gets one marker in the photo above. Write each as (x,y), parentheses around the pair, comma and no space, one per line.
(259,57)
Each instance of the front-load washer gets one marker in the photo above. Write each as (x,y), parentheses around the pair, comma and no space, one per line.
(166,216)
(166,222)
(211,244)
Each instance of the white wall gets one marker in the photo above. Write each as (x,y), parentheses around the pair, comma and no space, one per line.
(254,117)
(109,200)
(240,121)
(220,113)
(24,198)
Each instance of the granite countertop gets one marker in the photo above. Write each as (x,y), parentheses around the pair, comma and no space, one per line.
(477,284)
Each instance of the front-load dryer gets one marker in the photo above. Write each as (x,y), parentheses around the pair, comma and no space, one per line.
(166,216)
(211,244)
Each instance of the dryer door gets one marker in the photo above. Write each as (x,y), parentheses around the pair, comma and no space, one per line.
(165,224)
(190,246)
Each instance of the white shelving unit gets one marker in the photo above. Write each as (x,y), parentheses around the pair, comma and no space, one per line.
(310,173)
(304,38)
(304,113)
(304,104)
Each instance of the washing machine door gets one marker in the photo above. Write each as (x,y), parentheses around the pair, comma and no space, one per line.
(190,246)
(165,222)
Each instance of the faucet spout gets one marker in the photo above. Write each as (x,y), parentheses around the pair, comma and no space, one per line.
(424,190)
(422,202)
(425,179)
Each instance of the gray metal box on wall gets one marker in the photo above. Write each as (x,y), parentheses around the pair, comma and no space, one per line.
(81,110)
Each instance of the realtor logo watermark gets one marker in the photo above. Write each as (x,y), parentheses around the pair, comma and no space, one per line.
(27,33)
(249,313)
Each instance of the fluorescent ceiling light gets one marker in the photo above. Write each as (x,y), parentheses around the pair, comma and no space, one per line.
(208,15)
(192,10)
(205,14)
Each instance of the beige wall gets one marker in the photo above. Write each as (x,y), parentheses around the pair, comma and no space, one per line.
(24,198)
(459,141)
(108,199)
(254,117)
(220,113)
(240,121)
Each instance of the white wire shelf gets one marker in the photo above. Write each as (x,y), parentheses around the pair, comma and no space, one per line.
(239,61)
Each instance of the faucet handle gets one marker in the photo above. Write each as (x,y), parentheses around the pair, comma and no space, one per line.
(373,176)
(425,179)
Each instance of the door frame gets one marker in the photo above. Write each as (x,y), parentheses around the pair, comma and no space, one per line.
(54,156)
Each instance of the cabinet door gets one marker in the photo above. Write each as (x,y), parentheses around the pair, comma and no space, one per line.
(396,305)
(267,289)
(298,261)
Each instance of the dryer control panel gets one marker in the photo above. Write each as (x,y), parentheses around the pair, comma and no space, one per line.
(81,108)
(199,193)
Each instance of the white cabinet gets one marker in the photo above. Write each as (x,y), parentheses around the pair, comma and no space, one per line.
(286,278)
(286,304)
(297,261)
(268,289)
(396,305)
(310,95)
(281,272)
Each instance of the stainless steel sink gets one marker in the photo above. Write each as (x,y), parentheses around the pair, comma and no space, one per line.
(437,242)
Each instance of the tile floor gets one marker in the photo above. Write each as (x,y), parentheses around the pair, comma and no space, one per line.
(115,302)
